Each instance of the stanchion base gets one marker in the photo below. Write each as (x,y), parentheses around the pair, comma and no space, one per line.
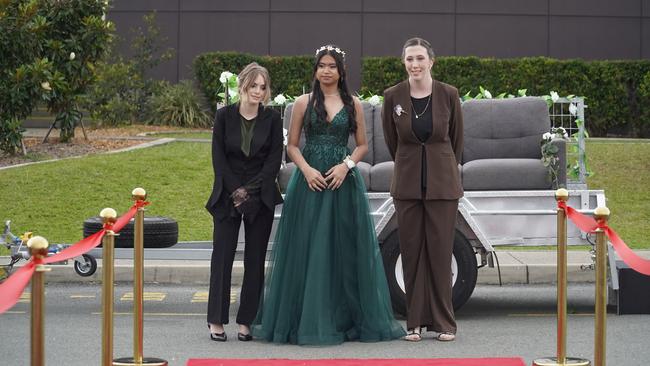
(552,361)
(130,361)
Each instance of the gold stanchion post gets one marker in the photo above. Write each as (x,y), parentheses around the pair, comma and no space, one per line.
(38,250)
(561,195)
(601,214)
(109,216)
(138,194)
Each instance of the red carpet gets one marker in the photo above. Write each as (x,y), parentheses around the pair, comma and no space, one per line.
(360,362)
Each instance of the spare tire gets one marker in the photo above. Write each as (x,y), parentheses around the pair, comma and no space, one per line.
(159,232)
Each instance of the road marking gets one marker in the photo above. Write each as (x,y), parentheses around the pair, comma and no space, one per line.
(532,315)
(25,297)
(82,296)
(233,296)
(15,312)
(200,296)
(146,296)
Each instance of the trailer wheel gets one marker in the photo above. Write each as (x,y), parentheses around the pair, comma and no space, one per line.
(86,268)
(159,232)
(463,266)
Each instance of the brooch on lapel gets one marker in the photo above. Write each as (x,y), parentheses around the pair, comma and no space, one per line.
(399,110)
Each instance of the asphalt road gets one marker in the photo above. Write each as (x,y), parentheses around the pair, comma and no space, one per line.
(496,322)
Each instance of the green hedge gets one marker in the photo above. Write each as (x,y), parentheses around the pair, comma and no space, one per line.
(617,92)
(290,75)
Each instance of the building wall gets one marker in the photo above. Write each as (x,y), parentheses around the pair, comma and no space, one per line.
(587,29)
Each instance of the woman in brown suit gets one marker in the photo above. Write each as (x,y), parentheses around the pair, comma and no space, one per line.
(423,128)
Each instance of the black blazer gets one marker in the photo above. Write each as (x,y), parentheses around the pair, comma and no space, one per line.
(233,169)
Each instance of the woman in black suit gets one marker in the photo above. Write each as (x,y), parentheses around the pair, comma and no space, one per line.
(247,143)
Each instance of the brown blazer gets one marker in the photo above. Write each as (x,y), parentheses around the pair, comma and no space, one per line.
(443,149)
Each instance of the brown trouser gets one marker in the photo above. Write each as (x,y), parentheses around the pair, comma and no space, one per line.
(426,239)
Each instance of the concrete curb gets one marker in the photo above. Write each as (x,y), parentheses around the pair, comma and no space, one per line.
(517,267)
(143,145)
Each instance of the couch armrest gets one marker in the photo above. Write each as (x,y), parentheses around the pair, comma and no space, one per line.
(562,164)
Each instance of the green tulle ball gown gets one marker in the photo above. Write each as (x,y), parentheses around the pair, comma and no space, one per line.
(326,282)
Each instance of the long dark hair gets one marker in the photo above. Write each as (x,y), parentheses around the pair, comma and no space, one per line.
(318,99)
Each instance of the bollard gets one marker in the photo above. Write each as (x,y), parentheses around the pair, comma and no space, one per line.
(38,250)
(561,195)
(109,217)
(138,194)
(601,214)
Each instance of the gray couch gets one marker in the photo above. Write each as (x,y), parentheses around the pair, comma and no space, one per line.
(501,152)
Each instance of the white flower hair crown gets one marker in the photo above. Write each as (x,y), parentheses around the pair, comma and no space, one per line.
(330,48)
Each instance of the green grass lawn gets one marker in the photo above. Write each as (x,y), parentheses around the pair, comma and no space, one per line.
(53,199)
(622,169)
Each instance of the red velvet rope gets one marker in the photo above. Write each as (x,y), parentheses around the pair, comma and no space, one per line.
(589,224)
(13,287)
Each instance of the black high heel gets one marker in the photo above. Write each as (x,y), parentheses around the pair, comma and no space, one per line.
(218,337)
(244,337)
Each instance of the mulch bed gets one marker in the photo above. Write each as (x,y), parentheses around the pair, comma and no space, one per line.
(99,140)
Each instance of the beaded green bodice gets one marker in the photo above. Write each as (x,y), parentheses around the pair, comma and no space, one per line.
(326,142)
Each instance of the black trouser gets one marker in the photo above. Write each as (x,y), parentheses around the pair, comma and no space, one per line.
(224,245)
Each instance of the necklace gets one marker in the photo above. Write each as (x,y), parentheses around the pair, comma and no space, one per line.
(418,115)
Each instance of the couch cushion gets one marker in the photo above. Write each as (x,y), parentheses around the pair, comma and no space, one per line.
(381,175)
(368,119)
(505,174)
(284,175)
(381,153)
(364,169)
(504,128)
(286,122)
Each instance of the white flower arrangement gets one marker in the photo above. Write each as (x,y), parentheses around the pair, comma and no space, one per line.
(573,109)
(46,85)
(225,76)
(230,84)
(399,110)
(72,56)
(554,96)
(550,151)
(555,133)
(375,100)
(487,94)
(280,100)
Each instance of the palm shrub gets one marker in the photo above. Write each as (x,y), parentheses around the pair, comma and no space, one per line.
(179,105)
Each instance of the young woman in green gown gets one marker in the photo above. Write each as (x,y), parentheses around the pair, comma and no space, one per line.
(326,282)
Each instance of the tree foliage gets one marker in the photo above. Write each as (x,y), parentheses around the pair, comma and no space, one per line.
(49,50)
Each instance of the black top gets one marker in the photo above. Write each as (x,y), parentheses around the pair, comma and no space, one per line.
(422,126)
(422,120)
(247,129)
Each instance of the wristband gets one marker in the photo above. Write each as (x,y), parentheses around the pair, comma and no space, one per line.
(349,162)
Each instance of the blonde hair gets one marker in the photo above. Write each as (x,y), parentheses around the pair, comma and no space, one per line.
(247,77)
